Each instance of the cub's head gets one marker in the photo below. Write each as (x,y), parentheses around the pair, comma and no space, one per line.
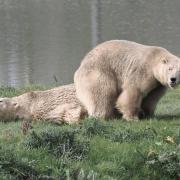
(167,70)
(7,110)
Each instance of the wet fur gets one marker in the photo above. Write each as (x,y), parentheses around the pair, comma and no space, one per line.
(55,105)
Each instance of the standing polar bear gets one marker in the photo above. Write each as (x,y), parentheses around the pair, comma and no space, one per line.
(129,76)
(55,105)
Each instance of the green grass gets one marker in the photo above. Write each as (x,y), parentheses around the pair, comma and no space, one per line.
(95,149)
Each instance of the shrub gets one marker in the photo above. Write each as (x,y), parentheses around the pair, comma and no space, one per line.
(62,142)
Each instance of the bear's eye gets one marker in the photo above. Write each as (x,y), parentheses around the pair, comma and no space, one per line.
(170,69)
(165,61)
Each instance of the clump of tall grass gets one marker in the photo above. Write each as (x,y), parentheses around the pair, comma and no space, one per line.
(93,127)
(132,136)
(62,142)
(167,164)
(13,167)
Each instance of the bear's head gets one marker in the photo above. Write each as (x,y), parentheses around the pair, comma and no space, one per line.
(167,69)
(7,110)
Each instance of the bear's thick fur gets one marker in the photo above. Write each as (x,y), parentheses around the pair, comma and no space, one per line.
(131,76)
(56,105)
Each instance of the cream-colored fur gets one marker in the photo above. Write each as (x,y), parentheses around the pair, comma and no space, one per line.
(131,76)
(57,105)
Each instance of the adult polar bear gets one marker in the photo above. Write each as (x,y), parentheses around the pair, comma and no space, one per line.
(55,105)
(131,76)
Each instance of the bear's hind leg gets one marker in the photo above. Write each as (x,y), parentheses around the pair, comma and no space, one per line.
(100,104)
(128,104)
(98,95)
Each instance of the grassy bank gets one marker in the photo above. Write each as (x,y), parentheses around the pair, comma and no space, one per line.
(149,149)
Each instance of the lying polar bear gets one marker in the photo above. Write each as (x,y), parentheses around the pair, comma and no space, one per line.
(55,105)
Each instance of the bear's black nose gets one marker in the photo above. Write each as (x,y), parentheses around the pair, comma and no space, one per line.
(173,79)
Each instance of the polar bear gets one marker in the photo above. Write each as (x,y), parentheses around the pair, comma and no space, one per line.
(56,105)
(131,76)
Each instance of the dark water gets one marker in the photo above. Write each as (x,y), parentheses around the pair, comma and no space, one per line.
(44,40)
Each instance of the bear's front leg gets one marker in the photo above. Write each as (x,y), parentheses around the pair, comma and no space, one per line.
(128,103)
(149,103)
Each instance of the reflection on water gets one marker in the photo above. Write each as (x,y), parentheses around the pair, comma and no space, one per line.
(43,39)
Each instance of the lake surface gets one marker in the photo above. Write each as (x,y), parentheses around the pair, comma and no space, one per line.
(43,41)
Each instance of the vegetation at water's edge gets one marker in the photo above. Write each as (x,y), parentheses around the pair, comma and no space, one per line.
(94,149)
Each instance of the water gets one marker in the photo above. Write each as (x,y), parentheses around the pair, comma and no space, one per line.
(43,41)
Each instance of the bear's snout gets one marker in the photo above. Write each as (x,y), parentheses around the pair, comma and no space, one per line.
(173,81)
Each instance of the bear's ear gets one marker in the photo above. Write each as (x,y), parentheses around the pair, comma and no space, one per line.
(165,61)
